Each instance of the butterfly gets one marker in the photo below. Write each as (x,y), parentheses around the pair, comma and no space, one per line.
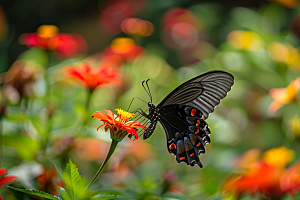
(182,114)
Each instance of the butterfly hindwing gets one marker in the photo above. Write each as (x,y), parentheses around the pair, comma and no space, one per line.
(187,134)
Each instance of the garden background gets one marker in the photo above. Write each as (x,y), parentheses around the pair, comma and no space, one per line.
(61,61)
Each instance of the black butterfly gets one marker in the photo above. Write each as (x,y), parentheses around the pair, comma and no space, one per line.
(183,111)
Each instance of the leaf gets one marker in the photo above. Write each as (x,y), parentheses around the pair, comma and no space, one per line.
(63,194)
(74,184)
(104,197)
(109,192)
(26,146)
(36,193)
(173,196)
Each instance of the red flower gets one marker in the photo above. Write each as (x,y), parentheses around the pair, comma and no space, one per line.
(116,11)
(7,179)
(118,124)
(47,37)
(91,78)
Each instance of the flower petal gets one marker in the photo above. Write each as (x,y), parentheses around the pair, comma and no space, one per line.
(132,131)
(102,116)
(3,172)
(101,126)
(7,180)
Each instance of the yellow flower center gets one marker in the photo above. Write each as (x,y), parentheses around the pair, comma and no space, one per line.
(122,45)
(47,31)
(278,157)
(124,115)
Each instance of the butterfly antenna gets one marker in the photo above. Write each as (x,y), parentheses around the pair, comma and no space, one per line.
(150,95)
(146,89)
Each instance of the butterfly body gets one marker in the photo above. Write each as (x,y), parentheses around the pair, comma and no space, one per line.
(183,112)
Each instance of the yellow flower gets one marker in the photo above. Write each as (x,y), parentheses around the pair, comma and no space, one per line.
(278,157)
(244,40)
(286,54)
(283,96)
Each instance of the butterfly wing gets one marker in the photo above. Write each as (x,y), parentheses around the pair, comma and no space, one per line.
(186,131)
(203,92)
(183,111)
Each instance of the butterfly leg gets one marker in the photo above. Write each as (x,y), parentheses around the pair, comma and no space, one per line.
(134,99)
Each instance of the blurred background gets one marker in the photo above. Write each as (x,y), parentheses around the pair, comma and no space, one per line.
(60,61)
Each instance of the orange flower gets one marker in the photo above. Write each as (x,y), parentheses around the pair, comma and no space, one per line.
(92,78)
(268,176)
(91,149)
(287,3)
(137,26)
(125,48)
(118,124)
(283,96)
(259,178)
(49,38)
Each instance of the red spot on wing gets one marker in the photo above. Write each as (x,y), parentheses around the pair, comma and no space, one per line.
(192,154)
(197,131)
(182,158)
(193,112)
(172,146)
(198,122)
(198,144)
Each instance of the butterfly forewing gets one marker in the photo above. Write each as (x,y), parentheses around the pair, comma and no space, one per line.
(203,92)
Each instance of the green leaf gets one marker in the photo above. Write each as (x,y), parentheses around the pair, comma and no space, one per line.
(36,193)
(104,197)
(26,146)
(173,196)
(109,192)
(63,194)
(74,184)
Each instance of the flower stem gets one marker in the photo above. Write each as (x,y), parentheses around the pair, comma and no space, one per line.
(49,126)
(112,148)
(88,99)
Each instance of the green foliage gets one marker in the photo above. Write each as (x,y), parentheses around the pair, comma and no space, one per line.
(36,193)
(75,187)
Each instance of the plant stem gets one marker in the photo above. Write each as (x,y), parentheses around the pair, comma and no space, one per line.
(112,148)
(49,126)
(88,98)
